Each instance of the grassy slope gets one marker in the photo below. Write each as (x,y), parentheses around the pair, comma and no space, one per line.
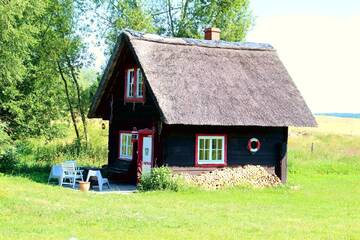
(321,201)
(39,151)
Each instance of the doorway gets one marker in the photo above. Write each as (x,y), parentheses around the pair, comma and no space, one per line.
(145,152)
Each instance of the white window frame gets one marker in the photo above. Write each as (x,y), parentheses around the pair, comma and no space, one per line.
(124,155)
(130,85)
(220,161)
(138,85)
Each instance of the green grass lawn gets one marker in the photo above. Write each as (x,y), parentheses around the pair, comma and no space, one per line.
(320,201)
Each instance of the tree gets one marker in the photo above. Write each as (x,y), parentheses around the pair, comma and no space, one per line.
(40,57)
(28,96)
(42,50)
(67,50)
(177,18)
(116,15)
(188,18)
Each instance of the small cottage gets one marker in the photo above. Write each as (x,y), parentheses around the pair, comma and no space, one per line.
(195,105)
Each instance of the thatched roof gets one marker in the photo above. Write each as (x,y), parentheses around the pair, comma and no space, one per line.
(201,82)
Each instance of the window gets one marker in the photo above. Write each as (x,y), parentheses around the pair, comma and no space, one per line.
(210,150)
(139,84)
(130,83)
(134,85)
(126,147)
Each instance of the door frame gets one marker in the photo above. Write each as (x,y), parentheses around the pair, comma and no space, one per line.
(141,134)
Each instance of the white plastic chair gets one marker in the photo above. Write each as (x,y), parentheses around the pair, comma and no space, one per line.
(79,172)
(68,173)
(100,179)
(56,173)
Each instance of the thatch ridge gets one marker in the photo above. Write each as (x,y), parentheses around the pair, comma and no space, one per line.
(198,42)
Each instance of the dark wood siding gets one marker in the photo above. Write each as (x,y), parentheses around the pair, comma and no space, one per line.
(127,115)
(179,144)
(179,149)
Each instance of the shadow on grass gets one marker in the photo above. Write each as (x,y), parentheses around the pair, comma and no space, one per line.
(36,173)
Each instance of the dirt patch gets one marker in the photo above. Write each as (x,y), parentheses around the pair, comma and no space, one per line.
(256,176)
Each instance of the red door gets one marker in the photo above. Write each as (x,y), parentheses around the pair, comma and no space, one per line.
(145,152)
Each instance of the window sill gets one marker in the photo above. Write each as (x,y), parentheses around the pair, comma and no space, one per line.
(134,99)
(205,165)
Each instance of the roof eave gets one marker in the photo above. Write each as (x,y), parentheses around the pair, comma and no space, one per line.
(105,77)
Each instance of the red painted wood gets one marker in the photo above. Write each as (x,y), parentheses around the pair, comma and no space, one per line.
(197,153)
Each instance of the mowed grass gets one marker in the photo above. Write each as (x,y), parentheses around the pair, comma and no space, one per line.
(320,201)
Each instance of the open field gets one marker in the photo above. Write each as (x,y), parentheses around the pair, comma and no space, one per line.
(320,201)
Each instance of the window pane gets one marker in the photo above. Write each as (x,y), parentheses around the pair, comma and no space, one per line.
(123,145)
(128,152)
(123,139)
(207,155)
(123,149)
(130,149)
(125,152)
(129,145)
(207,143)
(130,83)
(139,76)
(219,144)
(213,143)
(201,154)
(140,90)
(139,83)
(219,154)
(201,143)
(213,155)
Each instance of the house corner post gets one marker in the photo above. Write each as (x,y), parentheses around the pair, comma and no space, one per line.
(283,167)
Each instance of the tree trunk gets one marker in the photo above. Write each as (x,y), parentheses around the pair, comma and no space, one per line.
(80,104)
(71,109)
(171,21)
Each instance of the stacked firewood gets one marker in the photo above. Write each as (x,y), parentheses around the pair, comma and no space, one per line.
(251,175)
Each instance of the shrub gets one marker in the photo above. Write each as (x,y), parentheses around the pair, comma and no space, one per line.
(160,178)
(8,160)
(8,157)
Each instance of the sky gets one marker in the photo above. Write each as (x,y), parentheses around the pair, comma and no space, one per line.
(319,43)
